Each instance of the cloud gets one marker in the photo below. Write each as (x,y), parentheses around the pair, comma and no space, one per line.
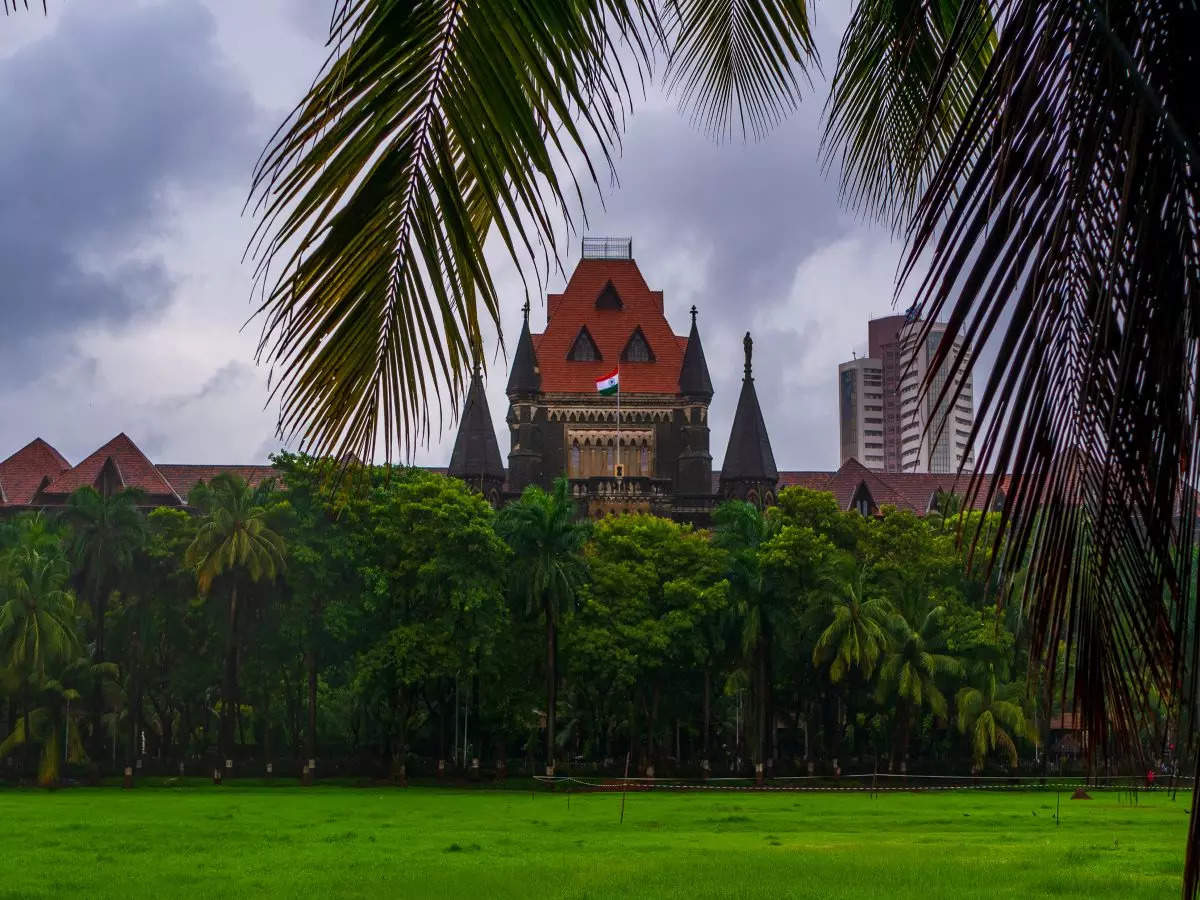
(105,118)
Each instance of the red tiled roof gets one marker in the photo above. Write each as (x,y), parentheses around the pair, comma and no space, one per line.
(185,477)
(575,307)
(905,490)
(134,469)
(23,473)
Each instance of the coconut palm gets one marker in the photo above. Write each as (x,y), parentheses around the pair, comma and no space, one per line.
(549,569)
(54,721)
(105,533)
(858,634)
(741,529)
(990,721)
(234,541)
(909,674)
(37,620)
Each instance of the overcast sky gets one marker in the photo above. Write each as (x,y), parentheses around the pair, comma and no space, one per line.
(130,132)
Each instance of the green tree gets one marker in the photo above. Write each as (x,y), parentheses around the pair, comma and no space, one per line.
(858,634)
(990,720)
(106,532)
(37,621)
(910,672)
(548,571)
(644,618)
(233,540)
(426,616)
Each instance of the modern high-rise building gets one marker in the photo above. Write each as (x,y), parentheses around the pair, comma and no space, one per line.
(886,422)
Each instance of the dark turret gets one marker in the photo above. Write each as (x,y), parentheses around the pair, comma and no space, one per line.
(693,377)
(476,457)
(524,377)
(693,476)
(524,388)
(749,471)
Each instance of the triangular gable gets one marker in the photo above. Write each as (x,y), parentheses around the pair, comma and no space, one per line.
(133,468)
(27,470)
(862,501)
(584,349)
(109,481)
(609,298)
(637,348)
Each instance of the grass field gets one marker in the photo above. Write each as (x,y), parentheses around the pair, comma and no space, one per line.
(423,842)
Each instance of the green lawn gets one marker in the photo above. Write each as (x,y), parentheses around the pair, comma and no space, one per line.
(422,842)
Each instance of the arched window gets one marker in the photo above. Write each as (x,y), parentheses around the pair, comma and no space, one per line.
(644,460)
(573,467)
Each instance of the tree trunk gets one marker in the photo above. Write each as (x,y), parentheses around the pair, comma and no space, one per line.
(707,708)
(99,610)
(26,703)
(267,727)
(551,687)
(229,687)
(761,711)
(310,665)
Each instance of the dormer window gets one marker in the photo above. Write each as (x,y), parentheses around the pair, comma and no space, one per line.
(584,349)
(609,298)
(637,349)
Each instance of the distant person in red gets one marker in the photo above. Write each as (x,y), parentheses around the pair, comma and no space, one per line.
(1149,778)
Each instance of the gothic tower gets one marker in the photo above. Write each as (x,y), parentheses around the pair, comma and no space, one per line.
(476,457)
(749,471)
(524,389)
(694,466)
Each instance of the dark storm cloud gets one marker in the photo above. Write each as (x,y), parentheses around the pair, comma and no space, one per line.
(104,119)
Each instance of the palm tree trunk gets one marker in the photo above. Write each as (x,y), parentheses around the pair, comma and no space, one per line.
(707,707)
(310,665)
(551,688)
(761,712)
(26,703)
(229,687)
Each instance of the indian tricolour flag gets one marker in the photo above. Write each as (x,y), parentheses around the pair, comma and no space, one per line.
(610,383)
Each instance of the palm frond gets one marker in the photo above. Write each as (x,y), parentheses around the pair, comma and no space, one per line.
(14,6)
(907,71)
(1062,221)
(737,63)
(433,125)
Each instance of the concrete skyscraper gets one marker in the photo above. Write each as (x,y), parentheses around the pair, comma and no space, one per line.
(885,422)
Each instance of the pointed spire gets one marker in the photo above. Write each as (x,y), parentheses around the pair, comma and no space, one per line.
(476,454)
(525,377)
(748,456)
(693,375)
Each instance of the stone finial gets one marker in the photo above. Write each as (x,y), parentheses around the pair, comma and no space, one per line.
(525,309)
(748,343)
(694,311)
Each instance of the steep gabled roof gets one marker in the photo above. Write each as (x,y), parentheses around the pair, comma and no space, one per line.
(124,457)
(26,470)
(610,329)
(749,455)
(694,380)
(476,453)
(183,477)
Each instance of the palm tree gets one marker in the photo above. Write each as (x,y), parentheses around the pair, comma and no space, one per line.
(910,672)
(549,569)
(37,620)
(53,723)
(233,540)
(105,533)
(858,634)
(741,529)
(990,721)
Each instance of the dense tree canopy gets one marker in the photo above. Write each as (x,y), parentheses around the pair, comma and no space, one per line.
(382,621)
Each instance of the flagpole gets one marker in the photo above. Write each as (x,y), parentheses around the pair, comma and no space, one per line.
(619,469)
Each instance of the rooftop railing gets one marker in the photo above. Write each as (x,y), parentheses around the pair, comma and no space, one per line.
(608,248)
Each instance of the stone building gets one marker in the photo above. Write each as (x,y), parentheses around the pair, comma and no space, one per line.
(644,449)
